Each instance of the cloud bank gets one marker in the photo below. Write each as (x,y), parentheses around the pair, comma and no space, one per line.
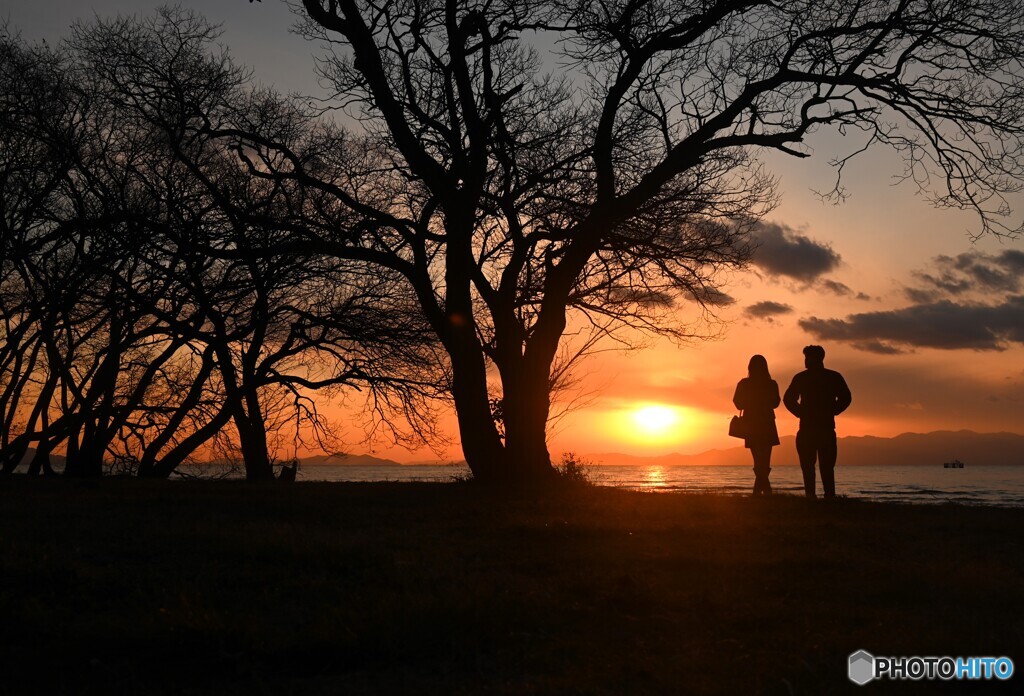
(943,324)
(767,310)
(783,252)
(971,301)
(970,273)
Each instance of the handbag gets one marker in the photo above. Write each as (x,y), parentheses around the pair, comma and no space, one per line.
(739,427)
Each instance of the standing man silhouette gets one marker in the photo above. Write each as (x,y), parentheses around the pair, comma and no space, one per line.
(816,396)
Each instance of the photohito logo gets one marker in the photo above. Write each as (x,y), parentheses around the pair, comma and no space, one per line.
(863,667)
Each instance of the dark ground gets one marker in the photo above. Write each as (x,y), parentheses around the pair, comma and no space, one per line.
(127,586)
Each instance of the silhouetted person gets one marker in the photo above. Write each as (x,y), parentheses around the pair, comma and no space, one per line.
(816,396)
(757,395)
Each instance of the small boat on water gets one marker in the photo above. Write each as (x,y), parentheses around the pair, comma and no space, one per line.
(955,464)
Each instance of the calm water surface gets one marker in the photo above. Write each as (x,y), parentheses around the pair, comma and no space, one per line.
(975,485)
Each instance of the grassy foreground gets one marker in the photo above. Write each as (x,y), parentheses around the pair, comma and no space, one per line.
(140,587)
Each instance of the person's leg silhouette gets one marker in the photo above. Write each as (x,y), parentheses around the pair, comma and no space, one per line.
(827,462)
(807,451)
(762,467)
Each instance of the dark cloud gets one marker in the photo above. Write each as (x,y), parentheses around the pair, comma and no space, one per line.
(1013,260)
(921,296)
(641,296)
(767,310)
(841,289)
(836,288)
(782,252)
(877,347)
(943,324)
(974,271)
(717,298)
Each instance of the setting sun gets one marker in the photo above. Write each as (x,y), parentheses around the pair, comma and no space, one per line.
(655,420)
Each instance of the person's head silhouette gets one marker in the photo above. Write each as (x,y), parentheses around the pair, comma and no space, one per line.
(814,357)
(757,368)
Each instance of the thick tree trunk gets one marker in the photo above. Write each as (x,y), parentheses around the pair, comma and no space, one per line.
(71,457)
(481,444)
(242,402)
(91,452)
(523,459)
(526,404)
(252,437)
(526,376)
(253,441)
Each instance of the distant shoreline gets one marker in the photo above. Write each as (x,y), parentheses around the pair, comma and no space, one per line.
(907,449)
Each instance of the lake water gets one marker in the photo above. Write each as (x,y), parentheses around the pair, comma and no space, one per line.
(974,485)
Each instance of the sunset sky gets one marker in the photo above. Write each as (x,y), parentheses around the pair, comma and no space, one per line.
(926,326)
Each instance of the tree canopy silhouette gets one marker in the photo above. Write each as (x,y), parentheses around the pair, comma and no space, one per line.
(527,164)
(123,340)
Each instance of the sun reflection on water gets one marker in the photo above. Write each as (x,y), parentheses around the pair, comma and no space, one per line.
(655,477)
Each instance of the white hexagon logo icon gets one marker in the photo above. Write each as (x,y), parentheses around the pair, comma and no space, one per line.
(862,667)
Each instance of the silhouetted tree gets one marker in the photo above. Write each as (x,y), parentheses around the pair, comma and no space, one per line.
(514,199)
(274,322)
(46,270)
(125,339)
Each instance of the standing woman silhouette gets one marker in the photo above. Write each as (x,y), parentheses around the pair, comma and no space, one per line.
(757,396)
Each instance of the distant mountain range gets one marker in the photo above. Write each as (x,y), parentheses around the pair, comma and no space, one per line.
(346,460)
(928,449)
